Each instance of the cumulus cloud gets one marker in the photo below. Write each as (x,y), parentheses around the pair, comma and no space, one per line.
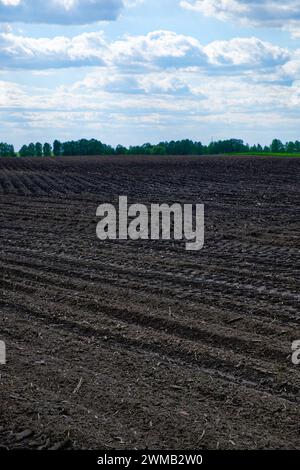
(250,52)
(291,69)
(149,84)
(157,50)
(212,101)
(30,53)
(164,83)
(270,13)
(161,48)
(60,11)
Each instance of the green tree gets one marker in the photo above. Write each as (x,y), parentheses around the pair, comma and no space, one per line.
(7,150)
(277,146)
(159,150)
(297,146)
(31,150)
(24,151)
(120,150)
(57,148)
(38,149)
(47,149)
(290,147)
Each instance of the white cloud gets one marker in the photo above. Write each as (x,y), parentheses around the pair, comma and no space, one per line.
(157,50)
(210,99)
(111,81)
(267,13)
(18,51)
(161,48)
(11,94)
(11,3)
(102,106)
(60,11)
(165,83)
(291,69)
(251,52)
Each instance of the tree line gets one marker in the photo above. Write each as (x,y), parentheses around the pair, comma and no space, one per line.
(180,147)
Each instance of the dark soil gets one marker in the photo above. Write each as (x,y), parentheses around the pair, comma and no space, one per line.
(125,345)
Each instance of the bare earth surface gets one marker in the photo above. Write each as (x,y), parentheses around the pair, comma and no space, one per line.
(124,345)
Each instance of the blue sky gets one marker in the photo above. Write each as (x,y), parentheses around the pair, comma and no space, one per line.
(140,71)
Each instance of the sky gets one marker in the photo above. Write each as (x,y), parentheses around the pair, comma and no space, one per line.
(135,71)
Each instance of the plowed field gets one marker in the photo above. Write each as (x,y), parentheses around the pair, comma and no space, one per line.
(125,345)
